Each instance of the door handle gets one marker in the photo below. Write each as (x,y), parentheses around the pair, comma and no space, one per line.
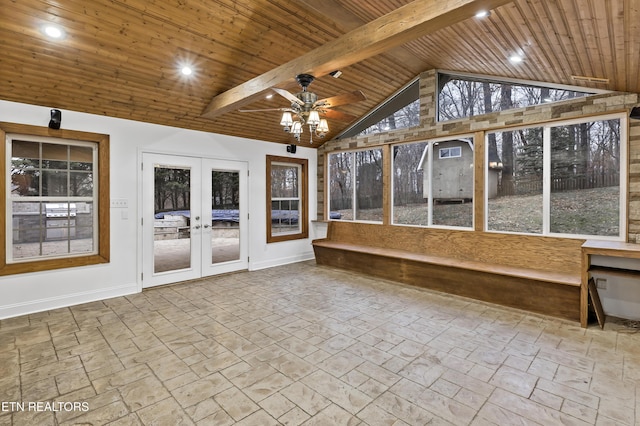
(207,226)
(196,227)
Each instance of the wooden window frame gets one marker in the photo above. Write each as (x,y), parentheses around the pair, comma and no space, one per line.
(304,199)
(103,243)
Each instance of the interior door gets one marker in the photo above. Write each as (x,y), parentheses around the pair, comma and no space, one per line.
(194,218)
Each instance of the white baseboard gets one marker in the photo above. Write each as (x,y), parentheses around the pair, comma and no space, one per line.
(33,306)
(254,266)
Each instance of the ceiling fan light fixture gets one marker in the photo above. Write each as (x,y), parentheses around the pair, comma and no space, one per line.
(297,129)
(286,121)
(313,120)
(305,108)
(323,128)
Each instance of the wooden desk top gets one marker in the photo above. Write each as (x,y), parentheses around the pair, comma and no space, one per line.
(612,248)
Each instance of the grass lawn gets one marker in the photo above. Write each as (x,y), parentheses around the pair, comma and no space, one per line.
(582,212)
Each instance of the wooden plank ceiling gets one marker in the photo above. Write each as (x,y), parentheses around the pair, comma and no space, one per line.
(122,58)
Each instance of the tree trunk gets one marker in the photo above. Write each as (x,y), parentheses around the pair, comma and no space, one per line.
(488,107)
(508,184)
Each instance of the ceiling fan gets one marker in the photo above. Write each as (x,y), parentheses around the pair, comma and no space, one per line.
(306,108)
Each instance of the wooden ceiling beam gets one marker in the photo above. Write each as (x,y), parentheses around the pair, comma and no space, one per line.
(404,24)
(334,11)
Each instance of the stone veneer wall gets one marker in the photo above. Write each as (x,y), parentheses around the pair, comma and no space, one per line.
(430,128)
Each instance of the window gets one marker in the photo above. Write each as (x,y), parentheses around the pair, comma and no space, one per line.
(401,110)
(405,117)
(287,184)
(461,96)
(514,181)
(430,191)
(560,179)
(355,185)
(454,151)
(56,194)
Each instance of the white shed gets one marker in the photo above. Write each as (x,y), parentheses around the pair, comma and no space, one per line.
(452,171)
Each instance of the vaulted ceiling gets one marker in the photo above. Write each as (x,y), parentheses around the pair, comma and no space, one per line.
(122,58)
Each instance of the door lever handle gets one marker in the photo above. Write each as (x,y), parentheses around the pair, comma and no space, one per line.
(196,227)
(207,226)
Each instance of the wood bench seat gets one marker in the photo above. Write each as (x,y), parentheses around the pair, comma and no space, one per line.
(535,274)
(540,274)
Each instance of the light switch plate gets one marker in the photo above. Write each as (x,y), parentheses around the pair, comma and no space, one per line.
(119,203)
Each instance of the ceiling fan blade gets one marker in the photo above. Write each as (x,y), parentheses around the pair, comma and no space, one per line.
(266,109)
(287,95)
(346,98)
(340,116)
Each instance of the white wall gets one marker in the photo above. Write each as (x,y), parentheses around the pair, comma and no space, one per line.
(32,292)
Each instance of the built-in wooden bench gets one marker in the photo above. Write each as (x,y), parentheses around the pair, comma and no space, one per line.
(539,274)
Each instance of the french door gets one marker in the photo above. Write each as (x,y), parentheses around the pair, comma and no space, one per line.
(195,218)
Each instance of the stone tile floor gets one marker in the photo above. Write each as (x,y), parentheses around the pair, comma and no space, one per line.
(306,344)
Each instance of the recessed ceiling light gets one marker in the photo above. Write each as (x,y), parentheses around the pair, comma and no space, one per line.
(53,31)
(483,14)
(269,96)
(516,59)
(186,70)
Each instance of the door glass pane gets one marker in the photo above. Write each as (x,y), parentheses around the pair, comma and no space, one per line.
(172,216)
(225,216)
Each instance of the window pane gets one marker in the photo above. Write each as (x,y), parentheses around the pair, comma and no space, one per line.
(585,178)
(369,185)
(54,183)
(284,181)
(410,198)
(51,229)
(54,151)
(25,162)
(80,184)
(83,240)
(341,186)
(25,149)
(514,181)
(407,116)
(81,154)
(284,217)
(24,181)
(55,165)
(28,222)
(452,184)
(462,96)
